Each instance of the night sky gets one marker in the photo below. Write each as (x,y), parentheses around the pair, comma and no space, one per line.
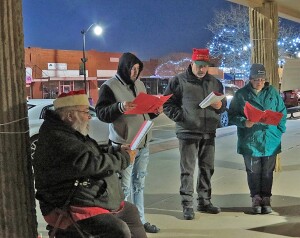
(150,28)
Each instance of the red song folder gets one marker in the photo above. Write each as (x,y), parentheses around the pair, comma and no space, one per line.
(146,103)
(268,117)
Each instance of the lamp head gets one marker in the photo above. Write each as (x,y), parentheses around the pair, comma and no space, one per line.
(98,30)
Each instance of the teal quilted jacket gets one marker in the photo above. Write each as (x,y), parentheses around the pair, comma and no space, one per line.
(261,139)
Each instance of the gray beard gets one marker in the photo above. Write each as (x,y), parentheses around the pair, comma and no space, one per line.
(81,127)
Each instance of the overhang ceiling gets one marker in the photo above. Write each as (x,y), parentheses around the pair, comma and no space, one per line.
(288,9)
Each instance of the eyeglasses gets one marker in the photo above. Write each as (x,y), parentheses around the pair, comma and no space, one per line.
(85,112)
(259,80)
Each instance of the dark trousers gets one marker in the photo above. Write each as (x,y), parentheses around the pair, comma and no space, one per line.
(203,152)
(124,224)
(260,174)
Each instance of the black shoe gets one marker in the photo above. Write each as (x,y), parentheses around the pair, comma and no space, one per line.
(266,210)
(209,209)
(256,210)
(151,228)
(256,204)
(188,213)
(266,205)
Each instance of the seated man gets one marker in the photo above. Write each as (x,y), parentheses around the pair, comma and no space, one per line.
(65,154)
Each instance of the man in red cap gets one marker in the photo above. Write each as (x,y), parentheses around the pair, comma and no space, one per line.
(76,175)
(195,130)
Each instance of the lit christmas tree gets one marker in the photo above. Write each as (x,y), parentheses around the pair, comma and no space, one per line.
(231,44)
(231,41)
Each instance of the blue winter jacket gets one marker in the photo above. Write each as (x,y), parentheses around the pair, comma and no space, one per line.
(261,139)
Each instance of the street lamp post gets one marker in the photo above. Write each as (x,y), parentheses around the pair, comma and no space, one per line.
(97,31)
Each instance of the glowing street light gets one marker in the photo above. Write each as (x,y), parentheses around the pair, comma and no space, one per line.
(97,31)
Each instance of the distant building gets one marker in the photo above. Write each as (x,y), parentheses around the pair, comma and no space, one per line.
(50,72)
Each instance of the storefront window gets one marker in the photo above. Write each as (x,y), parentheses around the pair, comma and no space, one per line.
(66,86)
(50,90)
(155,85)
(79,85)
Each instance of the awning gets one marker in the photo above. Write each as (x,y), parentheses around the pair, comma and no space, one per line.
(63,79)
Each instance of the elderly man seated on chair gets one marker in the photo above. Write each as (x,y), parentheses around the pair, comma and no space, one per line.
(77,181)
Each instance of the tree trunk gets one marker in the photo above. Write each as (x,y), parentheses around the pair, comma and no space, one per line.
(17,203)
(264,35)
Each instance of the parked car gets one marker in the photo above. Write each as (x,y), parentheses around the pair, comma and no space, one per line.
(36,111)
(230,90)
(290,83)
(291,98)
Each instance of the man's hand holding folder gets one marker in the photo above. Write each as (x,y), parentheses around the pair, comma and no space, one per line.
(214,98)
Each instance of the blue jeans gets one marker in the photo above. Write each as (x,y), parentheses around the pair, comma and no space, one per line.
(133,181)
(260,174)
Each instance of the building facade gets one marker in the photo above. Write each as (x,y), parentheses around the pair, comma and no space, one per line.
(50,72)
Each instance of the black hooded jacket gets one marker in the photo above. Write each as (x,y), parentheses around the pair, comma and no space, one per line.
(126,62)
(121,88)
(107,106)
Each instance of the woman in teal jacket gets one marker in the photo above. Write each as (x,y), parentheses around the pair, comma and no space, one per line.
(259,143)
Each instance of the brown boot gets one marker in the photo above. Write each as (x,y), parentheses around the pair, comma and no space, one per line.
(256,204)
(266,205)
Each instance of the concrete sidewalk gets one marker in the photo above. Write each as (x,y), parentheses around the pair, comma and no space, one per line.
(230,192)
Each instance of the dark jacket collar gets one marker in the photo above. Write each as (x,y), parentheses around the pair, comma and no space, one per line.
(193,79)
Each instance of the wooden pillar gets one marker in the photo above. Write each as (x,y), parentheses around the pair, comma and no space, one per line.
(17,203)
(264,34)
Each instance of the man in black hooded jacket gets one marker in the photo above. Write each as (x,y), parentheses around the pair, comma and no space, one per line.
(115,98)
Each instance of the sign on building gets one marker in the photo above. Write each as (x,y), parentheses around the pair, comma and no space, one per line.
(28,75)
(57,66)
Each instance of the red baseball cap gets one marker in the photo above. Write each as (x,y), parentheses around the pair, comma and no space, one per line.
(201,56)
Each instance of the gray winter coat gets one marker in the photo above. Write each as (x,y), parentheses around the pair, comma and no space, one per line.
(188,91)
